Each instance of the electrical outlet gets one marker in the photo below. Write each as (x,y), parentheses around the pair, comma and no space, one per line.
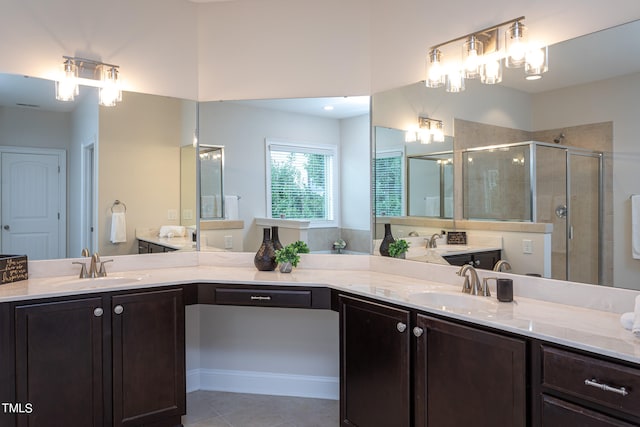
(228,242)
(172,214)
(527,246)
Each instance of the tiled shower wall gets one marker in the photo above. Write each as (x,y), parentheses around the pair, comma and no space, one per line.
(551,185)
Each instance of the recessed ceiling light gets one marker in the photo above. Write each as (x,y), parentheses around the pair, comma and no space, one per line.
(328,107)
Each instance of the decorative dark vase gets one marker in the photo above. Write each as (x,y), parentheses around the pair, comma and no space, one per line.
(386,241)
(275,239)
(265,259)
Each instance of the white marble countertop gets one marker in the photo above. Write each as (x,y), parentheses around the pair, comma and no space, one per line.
(577,315)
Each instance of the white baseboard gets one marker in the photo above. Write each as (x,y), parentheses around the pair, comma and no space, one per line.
(263,383)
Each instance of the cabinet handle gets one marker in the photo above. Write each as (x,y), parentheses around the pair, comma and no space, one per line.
(604,387)
(98,312)
(418,331)
(401,327)
(477,262)
(118,309)
(259,298)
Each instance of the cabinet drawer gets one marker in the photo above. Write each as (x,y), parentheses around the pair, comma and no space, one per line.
(605,383)
(556,412)
(264,298)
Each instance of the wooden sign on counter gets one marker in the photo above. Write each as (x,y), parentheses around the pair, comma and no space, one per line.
(13,268)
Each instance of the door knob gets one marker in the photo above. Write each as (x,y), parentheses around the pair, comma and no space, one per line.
(6,227)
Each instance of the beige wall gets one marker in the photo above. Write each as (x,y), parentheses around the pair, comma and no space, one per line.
(139,164)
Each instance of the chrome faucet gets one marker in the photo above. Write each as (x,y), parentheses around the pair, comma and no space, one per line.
(431,243)
(472,284)
(96,267)
(500,264)
(93,268)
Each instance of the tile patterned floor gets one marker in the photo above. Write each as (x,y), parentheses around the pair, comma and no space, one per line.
(221,409)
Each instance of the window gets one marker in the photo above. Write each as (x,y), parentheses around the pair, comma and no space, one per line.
(389,174)
(300,181)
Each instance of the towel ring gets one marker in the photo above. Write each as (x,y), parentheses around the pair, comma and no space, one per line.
(117,203)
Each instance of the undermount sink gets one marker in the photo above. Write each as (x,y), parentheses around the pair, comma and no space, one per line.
(453,301)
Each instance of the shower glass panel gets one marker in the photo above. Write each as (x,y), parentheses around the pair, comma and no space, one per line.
(211,197)
(497,183)
(551,203)
(543,183)
(584,231)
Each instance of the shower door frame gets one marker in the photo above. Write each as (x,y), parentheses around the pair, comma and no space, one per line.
(570,151)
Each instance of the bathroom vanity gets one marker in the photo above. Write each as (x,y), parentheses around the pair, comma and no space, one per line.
(413,352)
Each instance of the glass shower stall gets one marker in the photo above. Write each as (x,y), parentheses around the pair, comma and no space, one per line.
(544,183)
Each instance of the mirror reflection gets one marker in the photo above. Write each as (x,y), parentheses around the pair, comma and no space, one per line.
(296,164)
(577,107)
(129,153)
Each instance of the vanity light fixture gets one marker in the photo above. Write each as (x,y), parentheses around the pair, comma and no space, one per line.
(430,130)
(482,57)
(87,72)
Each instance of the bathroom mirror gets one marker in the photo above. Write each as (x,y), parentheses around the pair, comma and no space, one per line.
(250,130)
(211,159)
(129,153)
(412,178)
(577,104)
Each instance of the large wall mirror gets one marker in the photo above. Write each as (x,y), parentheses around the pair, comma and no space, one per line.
(583,103)
(252,131)
(125,158)
(139,158)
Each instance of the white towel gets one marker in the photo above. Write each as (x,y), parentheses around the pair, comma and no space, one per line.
(172,231)
(626,320)
(432,206)
(635,226)
(231,207)
(636,318)
(118,227)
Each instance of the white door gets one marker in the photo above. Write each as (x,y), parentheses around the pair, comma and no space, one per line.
(31,205)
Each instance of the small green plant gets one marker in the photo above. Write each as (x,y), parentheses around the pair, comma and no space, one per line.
(290,253)
(397,248)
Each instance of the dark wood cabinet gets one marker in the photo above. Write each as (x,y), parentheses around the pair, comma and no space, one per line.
(465,376)
(374,364)
(459,375)
(557,412)
(148,358)
(112,359)
(145,247)
(59,359)
(484,260)
(579,389)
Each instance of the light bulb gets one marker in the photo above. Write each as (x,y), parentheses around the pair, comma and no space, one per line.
(536,63)
(455,81)
(435,72)
(472,53)
(491,71)
(516,44)
(67,85)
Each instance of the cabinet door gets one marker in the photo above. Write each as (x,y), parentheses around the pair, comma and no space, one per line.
(59,359)
(486,260)
(374,364)
(148,357)
(464,376)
